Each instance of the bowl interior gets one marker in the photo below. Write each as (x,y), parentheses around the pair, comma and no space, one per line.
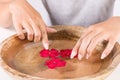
(23,56)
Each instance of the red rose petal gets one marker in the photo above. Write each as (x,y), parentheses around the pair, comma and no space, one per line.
(54,53)
(61,64)
(65,53)
(50,64)
(55,62)
(44,53)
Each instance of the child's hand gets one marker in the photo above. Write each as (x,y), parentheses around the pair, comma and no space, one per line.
(24,16)
(108,30)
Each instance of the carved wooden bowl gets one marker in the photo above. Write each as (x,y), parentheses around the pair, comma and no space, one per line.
(20,58)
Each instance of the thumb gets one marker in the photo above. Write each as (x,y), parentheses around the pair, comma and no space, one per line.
(51,30)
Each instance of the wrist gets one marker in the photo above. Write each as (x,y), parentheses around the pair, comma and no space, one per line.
(16,4)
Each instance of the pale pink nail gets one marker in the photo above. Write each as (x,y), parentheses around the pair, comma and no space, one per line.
(87,56)
(103,56)
(73,54)
(46,45)
(79,56)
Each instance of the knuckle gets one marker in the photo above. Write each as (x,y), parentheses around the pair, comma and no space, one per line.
(37,35)
(20,34)
(92,26)
(43,32)
(99,28)
(30,34)
(96,28)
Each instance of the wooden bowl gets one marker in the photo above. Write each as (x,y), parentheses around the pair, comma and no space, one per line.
(20,58)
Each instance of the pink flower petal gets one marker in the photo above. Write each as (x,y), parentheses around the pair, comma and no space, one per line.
(65,53)
(50,64)
(44,53)
(55,62)
(54,53)
(61,64)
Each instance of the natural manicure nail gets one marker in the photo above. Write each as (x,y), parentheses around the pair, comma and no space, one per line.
(103,56)
(87,56)
(79,56)
(73,54)
(46,45)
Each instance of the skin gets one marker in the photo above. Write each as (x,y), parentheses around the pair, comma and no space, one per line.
(22,15)
(5,1)
(107,30)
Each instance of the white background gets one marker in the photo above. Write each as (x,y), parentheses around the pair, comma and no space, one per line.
(114,76)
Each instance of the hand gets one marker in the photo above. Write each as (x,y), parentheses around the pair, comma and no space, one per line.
(24,16)
(5,1)
(108,30)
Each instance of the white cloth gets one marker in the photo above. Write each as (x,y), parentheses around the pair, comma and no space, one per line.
(78,12)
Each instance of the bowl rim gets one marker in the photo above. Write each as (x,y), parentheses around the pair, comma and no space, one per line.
(14,72)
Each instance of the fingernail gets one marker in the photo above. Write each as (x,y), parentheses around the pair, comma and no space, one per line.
(79,56)
(46,45)
(87,56)
(73,54)
(103,56)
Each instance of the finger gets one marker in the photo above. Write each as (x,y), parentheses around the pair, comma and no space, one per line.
(44,35)
(86,32)
(75,49)
(29,30)
(51,30)
(94,42)
(19,29)
(86,41)
(108,48)
(37,32)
